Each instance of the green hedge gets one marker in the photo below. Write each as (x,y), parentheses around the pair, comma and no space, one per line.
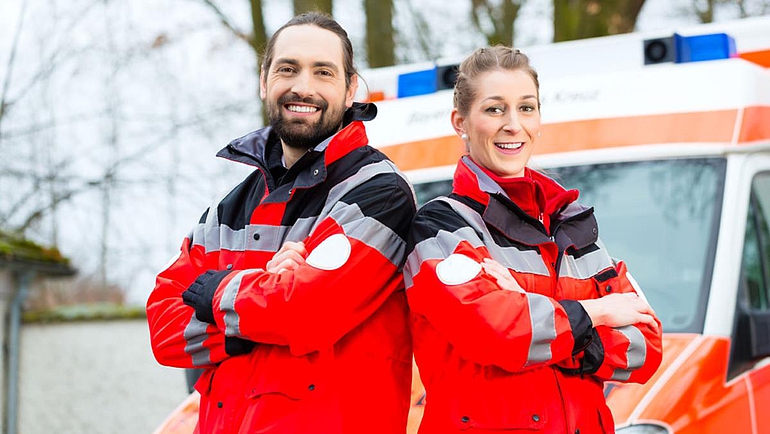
(15,247)
(84,312)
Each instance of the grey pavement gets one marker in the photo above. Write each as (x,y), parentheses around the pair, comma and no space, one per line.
(93,377)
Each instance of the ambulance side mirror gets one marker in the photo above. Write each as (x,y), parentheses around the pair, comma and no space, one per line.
(757,326)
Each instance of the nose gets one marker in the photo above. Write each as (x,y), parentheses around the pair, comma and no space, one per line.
(512,124)
(303,84)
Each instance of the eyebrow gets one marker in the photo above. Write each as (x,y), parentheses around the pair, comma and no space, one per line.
(500,98)
(317,64)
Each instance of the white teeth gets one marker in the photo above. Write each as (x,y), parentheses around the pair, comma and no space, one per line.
(301,109)
(515,145)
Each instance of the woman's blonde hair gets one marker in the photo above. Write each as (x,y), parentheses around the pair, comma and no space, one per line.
(483,60)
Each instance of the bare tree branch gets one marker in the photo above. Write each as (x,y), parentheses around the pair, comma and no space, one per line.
(228,24)
(9,67)
(48,65)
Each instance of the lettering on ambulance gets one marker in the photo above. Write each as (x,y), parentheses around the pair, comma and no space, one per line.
(566,96)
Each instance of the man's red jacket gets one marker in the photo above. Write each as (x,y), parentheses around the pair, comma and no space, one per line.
(323,348)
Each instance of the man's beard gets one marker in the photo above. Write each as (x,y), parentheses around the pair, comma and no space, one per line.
(300,133)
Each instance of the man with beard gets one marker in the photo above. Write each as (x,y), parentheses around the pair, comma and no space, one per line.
(288,291)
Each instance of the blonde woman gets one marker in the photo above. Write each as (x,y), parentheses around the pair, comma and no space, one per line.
(518,312)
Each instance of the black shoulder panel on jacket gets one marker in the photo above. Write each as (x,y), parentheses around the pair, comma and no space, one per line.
(431,218)
(386,198)
(236,208)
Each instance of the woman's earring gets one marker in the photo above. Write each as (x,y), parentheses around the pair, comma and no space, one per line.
(464,137)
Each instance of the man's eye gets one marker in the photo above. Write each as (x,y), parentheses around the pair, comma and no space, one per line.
(325,73)
(285,69)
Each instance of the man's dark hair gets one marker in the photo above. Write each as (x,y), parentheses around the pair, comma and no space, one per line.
(325,22)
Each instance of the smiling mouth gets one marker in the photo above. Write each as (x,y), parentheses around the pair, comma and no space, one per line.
(509,145)
(294,108)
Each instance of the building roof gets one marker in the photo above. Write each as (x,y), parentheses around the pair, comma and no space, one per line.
(19,253)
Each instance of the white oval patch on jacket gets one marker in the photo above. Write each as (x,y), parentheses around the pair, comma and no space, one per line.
(457,269)
(331,254)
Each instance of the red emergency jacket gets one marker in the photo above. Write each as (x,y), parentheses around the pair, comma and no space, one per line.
(492,359)
(325,348)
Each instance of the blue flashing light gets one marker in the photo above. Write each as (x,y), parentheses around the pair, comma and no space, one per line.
(417,83)
(704,47)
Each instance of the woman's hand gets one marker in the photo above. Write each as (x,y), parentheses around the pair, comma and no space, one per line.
(291,256)
(504,278)
(618,310)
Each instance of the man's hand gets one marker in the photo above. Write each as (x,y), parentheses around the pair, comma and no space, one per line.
(504,278)
(200,293)
(618,310)
(291,256)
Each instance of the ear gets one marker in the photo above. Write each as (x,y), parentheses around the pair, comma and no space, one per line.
(350,93)
(458,122)
(262,84)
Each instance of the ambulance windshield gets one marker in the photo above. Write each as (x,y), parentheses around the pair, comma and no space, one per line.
(661,218)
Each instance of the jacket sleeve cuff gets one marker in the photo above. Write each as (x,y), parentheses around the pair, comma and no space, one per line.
(593,355)
(236,346)
(580,323)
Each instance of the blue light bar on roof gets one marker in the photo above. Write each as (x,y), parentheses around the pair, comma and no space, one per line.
(684,49)
(704,47)
(417,83)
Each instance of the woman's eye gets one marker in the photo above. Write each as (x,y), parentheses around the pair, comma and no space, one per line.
(527,108)
(495,110)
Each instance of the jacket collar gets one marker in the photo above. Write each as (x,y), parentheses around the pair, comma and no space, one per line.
(472,181)
(508,218)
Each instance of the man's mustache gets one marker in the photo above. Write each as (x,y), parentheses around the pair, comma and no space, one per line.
(292,97)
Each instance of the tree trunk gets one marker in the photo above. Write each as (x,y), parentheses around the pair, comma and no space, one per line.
(258,41)
(301,6)
(579,19)
(705,15)
(380,47)
(502,18)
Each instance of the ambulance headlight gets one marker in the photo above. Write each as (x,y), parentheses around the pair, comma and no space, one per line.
(644,428)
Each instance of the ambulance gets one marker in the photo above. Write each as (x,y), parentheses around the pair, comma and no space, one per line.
(667,135)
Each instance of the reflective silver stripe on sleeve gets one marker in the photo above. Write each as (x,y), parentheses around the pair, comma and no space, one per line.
(585,266)
(636,353)
(227,303)
(299,230)
(229,239)
(542,315)
(621,375)
(524,261)
(438,247)
(206,234)
(364,174)
(194,335)
(369,231)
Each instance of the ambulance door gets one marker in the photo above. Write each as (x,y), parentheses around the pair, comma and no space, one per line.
(751,336)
